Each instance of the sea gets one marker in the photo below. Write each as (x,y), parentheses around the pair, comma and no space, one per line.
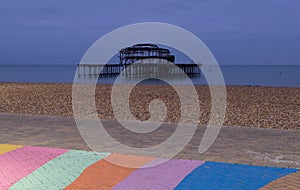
(244,75)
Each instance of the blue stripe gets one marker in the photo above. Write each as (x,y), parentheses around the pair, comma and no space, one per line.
(215,175)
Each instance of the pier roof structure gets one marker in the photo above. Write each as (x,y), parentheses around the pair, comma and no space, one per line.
(140,52)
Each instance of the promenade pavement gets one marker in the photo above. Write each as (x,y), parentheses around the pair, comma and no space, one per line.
(241,157)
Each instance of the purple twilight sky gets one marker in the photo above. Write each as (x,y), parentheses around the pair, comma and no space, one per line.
(236,31)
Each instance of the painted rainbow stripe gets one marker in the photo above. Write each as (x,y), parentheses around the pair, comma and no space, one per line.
(26,167)
(60,171)
(20,162)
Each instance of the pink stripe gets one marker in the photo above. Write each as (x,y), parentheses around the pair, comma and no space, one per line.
(164,176)
(19,163)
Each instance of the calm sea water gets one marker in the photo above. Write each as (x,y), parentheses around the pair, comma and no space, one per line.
(262,75)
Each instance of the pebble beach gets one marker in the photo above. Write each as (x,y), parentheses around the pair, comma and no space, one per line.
(249,106)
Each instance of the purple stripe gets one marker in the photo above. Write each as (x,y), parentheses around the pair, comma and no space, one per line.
(164,176)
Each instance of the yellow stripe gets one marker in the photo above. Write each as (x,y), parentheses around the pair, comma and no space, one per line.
(8,147)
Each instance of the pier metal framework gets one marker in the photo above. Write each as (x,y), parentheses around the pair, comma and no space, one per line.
(150,52)
(144,60)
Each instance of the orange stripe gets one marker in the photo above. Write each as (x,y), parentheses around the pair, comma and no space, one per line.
(105,175)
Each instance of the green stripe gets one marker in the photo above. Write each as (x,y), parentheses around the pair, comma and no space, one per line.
(61,171)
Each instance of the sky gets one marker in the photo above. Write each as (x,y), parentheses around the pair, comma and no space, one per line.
(260,32)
